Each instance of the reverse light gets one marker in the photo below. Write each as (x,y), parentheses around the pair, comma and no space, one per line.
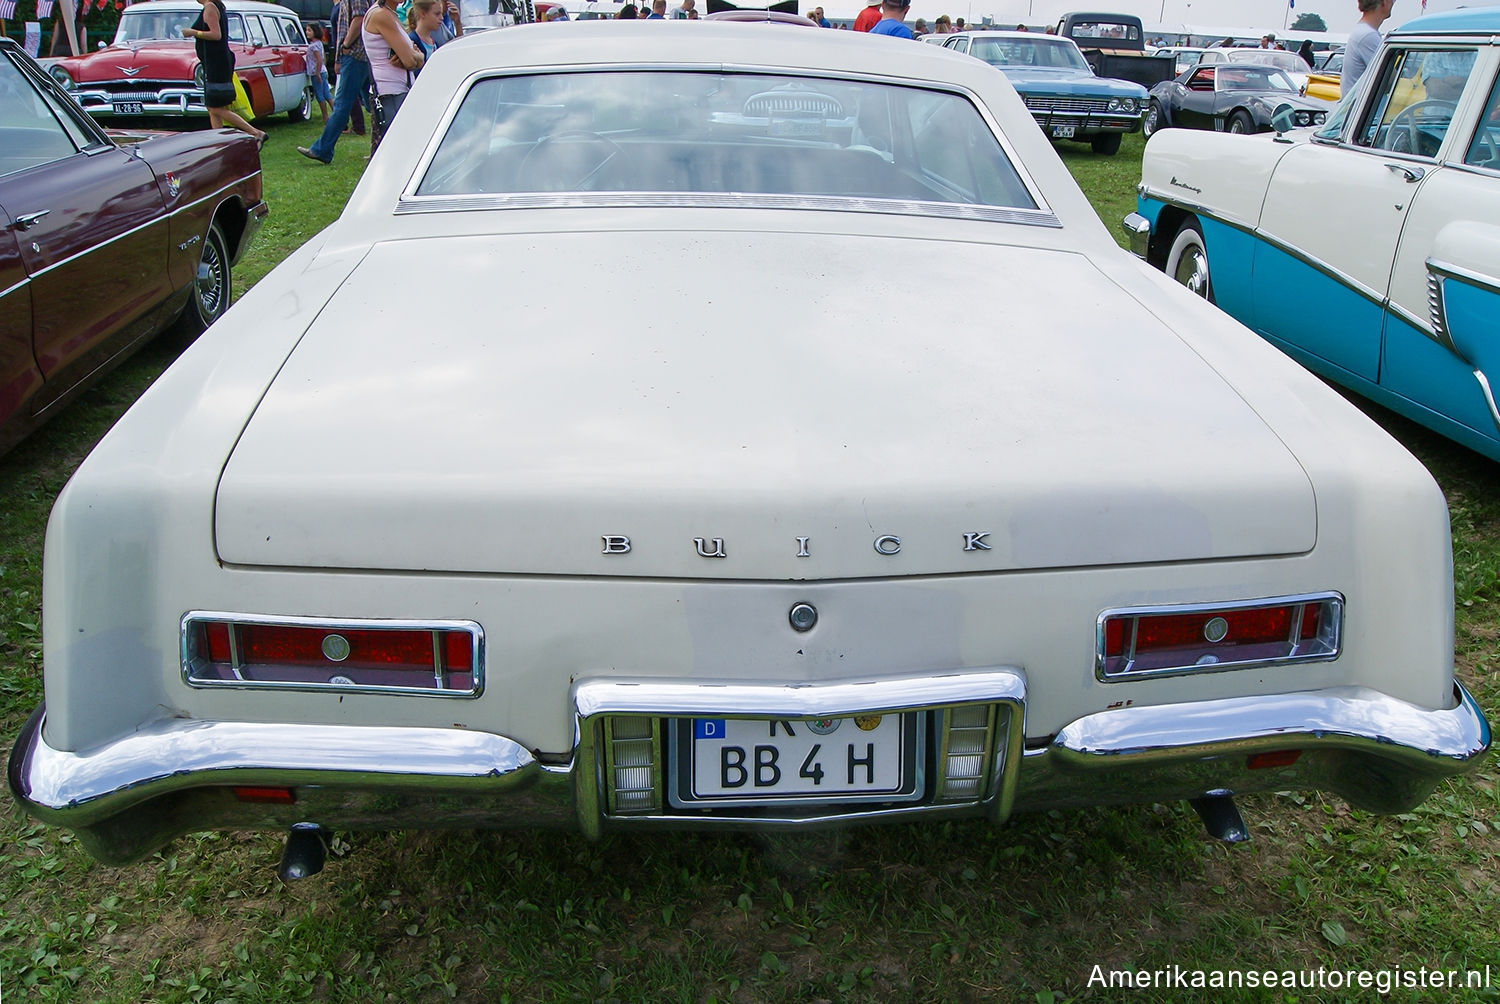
(1158,641)
(438,658)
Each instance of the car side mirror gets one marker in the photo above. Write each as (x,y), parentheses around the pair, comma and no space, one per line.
(1283,121)
(101,46)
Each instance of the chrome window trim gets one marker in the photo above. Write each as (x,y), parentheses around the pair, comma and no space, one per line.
(409,202)
(1296,599)
(475,631)
(149,223)
(722,200)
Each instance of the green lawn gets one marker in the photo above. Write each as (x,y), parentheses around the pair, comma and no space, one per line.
(956,912)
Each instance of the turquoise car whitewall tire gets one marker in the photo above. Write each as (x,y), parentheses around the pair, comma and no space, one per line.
(1187,262)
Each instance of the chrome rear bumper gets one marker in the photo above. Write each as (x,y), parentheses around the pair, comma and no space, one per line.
(128,797)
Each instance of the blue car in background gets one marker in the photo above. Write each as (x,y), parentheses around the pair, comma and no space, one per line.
(1065,97)
(1368,250)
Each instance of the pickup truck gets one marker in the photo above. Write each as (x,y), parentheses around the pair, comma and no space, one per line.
(1115,46)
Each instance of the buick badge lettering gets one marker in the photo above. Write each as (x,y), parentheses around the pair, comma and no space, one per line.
(888,544)
(711,548)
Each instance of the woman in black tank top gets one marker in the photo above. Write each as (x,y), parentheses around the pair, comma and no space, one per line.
(211,40)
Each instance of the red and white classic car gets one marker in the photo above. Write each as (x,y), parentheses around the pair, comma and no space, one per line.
(150,69)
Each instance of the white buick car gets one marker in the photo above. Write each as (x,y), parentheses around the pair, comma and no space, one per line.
(756,531)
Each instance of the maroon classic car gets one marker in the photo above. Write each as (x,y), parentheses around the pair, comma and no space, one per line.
(104,243)
(150,69)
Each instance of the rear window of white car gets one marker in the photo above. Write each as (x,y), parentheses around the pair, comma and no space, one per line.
(709,132)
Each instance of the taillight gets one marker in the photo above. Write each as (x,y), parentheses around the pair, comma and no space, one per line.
(441,658)
(1162,640)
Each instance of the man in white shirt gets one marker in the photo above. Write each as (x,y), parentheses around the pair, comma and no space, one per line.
(1364,41)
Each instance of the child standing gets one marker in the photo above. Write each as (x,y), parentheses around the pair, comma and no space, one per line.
(317,72)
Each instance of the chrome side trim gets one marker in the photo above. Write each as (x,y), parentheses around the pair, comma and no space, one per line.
(156,221)
(25,280)
(1489,398)
(1196,208)
(1376,297)
(1437,310)
(1422,324)
(331,624)
(1488,283)
(408,204)
(1344,279)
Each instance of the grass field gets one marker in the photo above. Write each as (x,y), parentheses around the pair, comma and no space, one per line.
(957,912)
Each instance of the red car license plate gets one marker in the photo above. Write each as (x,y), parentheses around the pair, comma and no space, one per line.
(129,108)
(862,758)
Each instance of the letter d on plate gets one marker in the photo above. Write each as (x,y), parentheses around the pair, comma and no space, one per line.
(708,728)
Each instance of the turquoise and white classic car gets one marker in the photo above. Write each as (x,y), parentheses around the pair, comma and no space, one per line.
(1369,250)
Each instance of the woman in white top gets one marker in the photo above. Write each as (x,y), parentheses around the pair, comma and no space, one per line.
(392,60)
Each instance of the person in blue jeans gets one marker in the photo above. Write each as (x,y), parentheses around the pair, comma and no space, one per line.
(353,81)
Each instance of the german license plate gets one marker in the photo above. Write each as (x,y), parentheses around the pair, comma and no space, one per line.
(861,758)
(129,108)
(1062,132)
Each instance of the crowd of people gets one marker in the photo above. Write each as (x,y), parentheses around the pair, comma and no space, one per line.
(381,47)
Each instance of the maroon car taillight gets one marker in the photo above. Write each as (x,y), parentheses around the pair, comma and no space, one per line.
(442,658)
(1148,641)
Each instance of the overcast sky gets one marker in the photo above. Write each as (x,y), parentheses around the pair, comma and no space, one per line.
(1264,15)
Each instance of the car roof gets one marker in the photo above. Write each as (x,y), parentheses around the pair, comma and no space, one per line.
(243,6)
(1025,36)
(712,44)
(1479,21)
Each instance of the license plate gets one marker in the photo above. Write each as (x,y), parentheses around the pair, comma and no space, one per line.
(863,758)
(1062,132)
(129,108)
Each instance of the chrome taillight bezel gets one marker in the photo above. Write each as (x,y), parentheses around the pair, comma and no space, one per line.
(194,663)
(1325,646)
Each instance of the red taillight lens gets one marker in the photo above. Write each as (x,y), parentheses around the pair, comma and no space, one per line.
(1276,758)
(1209,637)
(367,655)
(266,796)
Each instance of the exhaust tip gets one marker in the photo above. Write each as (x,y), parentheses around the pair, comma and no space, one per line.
(306,851)
(1221,817)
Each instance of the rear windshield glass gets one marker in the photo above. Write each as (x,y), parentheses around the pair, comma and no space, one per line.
(721,133)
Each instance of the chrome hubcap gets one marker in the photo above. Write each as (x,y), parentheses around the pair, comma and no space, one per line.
(1192,271)
(210,282)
